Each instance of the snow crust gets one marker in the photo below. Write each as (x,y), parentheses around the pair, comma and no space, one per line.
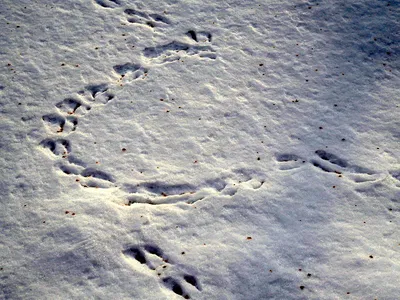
(180,149)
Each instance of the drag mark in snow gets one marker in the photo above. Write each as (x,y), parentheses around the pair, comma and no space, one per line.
(157,193)
(158,262)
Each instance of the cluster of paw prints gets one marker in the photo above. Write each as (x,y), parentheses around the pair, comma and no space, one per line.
(154,260)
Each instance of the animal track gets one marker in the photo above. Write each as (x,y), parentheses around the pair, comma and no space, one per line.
(334,164)
(289,161)
(64,122)
(59,147)
(157,193)
(333,159)
(175,50)
(108,3)
(70,165)
(96,178)
(155,260)
(99,93)
(69,169)
(174,286)
(54,122)
(152,19)
(329,163)
(131,71)
(91,172)
(95,89)
(70,106)
(68,111)
(201,36)
(160,193)
(59,124)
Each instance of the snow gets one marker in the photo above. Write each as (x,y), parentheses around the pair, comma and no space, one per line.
(199,149)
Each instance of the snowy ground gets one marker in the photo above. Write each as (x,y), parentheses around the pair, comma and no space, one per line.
(200,149)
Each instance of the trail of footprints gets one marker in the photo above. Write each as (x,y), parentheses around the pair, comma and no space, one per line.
(154,260)
(328,162)
(64,119)
(62,122)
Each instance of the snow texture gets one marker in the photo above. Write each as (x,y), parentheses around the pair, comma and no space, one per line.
(200,149)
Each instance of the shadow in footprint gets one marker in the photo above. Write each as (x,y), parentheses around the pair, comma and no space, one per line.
(108,3)
(161,188)
(69,169)
(154,52)
(151,20)
(54,121)
(57,146)
(322,167)
(96,89)
(333,159)
(289,161)
(201,36)
(92,172)
(174,286)
(192,280)
(69,105)
(154,250)
(136,253)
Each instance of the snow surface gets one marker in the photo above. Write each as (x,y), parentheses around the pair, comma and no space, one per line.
(200,149)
